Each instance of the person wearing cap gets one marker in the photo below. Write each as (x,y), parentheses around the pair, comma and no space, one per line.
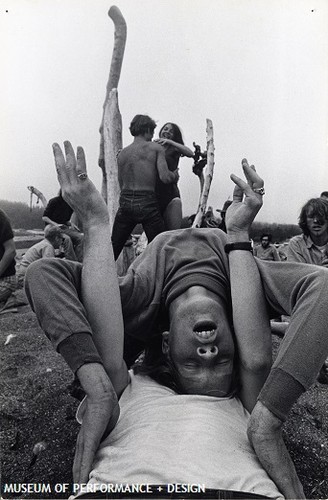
(202,288)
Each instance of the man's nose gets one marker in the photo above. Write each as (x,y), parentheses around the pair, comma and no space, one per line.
(207,351)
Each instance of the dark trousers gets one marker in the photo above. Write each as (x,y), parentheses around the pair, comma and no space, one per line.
(136,207)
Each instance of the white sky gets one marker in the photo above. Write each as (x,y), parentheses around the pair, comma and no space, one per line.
(257,68)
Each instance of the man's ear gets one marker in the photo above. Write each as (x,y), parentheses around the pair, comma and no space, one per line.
(165,342)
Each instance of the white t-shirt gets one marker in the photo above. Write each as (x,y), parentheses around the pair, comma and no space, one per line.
(162,437)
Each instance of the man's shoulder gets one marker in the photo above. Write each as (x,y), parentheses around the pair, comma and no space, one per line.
(53,201)
(153,147)
(298,239)
(156,146)
(140,146)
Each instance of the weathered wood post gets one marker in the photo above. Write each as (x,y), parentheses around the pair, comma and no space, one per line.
(40,196)
(208,175)
(111,132)
(111,138)
(112,142)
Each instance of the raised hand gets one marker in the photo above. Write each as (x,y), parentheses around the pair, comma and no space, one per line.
(247,201)
(77,189)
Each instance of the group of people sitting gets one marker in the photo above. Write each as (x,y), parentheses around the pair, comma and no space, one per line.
(175,357)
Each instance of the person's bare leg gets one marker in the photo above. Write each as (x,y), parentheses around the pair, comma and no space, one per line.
(173,215)
(265,435)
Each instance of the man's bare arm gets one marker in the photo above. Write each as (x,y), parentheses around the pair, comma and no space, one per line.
(164,173)
(103,309)
(183,150)
(250,318)
(47,220)
(264,429)
(265,435)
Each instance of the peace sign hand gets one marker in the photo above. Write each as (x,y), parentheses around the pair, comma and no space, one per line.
(247,201)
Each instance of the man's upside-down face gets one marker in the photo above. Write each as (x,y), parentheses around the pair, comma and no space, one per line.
(200,342)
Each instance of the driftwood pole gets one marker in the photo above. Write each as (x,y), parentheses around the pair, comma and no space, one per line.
(201,184)
(40,196)
(111,139)
(111,133)
(208,175)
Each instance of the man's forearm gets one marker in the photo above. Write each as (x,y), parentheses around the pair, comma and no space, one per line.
(265,435)
(94,380)
(101,297)
(251,323)
(47,220)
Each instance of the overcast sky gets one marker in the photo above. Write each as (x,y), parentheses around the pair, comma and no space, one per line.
(257,68)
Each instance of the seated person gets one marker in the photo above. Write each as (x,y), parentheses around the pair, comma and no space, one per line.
(215,311)
(311,247)
(59,214)
(266,250)
(45,248)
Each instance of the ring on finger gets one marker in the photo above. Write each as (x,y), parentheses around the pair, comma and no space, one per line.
(82,176)
(260,191)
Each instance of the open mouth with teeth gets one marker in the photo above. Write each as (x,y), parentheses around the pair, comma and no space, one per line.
(205,330)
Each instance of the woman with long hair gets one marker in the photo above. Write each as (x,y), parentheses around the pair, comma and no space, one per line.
(170,137)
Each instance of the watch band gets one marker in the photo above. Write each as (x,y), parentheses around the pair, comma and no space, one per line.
(239,245)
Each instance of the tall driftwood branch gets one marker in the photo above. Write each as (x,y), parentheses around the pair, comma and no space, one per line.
(40,196)
(208,175)
(201,185)
(113,79)
(112,134)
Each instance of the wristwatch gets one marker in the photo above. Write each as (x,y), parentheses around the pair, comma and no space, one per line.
(239,245)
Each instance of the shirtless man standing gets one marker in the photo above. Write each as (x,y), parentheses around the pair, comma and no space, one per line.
(139,166)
